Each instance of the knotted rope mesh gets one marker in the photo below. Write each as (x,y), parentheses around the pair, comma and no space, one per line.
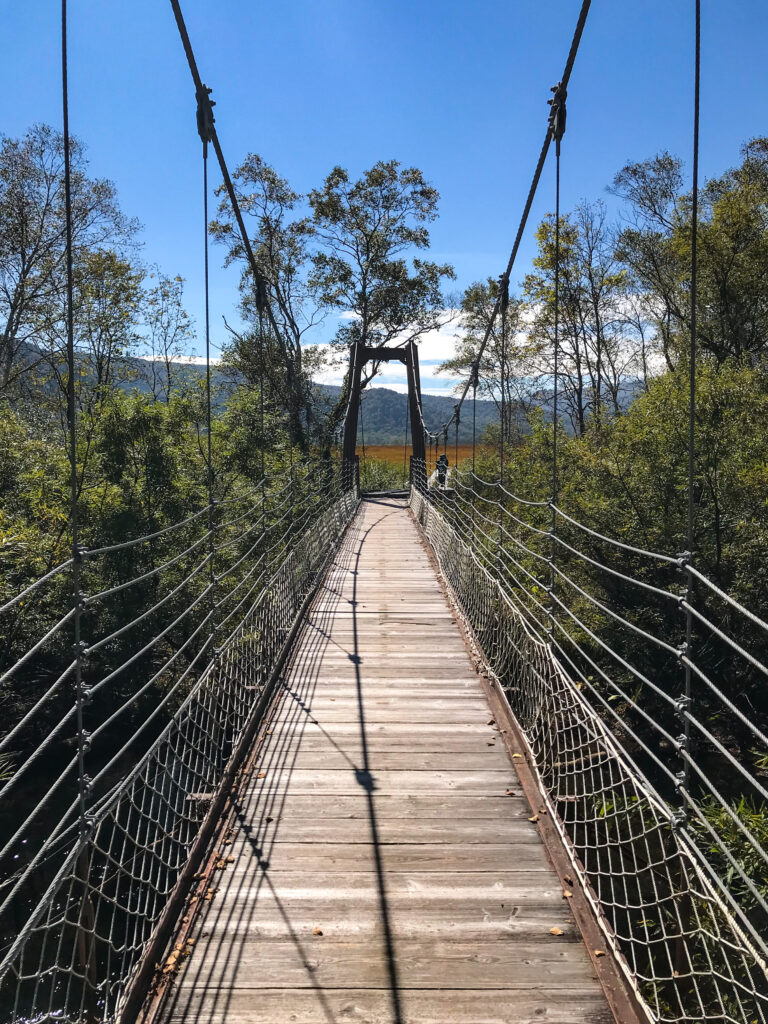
(587,638)
(170,692)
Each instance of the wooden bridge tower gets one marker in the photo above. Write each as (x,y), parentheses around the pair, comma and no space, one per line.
(359,355)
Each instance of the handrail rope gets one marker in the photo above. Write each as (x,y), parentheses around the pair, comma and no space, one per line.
(711,787)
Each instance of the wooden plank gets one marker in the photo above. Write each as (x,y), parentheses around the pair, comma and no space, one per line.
(320,760)
(395,858)
(513,886)
(465,919)
(402,805)
(427,963)
(382,808)
(333,781)
(366,1006)
(506,829)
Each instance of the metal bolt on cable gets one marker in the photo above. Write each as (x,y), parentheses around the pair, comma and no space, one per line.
(205,118)
(557,113)
(679,819)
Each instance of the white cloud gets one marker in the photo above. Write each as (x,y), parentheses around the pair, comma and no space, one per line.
(189,360)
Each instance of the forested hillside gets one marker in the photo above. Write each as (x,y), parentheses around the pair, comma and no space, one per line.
(141,458)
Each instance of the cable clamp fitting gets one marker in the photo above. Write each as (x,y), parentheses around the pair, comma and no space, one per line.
(87,825)
(80,552)
(684,559)
(557,112)
(679,818)
(261,295)
(504,289)
(681,651)
(205,118)
(682,703)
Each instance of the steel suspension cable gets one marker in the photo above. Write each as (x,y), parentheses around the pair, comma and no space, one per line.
(202,93)
(531,195)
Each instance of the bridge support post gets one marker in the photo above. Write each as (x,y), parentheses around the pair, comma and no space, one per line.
(359,355)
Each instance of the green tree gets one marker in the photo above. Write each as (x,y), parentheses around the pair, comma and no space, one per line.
(367,231)
(167,332)
(732,310)
(521,387)
(32,238)
(281,242)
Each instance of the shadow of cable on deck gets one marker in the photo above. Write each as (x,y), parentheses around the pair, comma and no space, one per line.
(226,925)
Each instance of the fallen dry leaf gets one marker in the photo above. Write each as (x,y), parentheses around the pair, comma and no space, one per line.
(518,755)
(491,743)
(555,931)
(568,879)
(261,775)
(269,819)
(491,721)
(567,894)
(317,931)
(534,818)
(511,792)
(599,952)
(542,810)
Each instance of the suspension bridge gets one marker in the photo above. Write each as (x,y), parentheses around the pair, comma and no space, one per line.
(443,755)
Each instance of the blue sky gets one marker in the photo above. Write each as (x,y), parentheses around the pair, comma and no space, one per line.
(457,88)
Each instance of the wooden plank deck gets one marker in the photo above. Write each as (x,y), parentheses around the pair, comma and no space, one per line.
(380,870)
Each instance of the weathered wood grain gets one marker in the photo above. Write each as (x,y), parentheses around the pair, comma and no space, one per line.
(367,1006)
(381,810)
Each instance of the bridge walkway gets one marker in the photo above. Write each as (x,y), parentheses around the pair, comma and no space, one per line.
(380,865)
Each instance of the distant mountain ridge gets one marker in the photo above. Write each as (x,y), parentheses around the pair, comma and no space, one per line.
(383,417)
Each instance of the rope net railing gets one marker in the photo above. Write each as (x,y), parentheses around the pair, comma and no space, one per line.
(661,799)
(181,631)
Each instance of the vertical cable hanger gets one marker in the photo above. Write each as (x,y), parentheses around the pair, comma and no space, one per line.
(84,938)
(78,552)
(684,700)
(557,116)
(205,121)
(504,305)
